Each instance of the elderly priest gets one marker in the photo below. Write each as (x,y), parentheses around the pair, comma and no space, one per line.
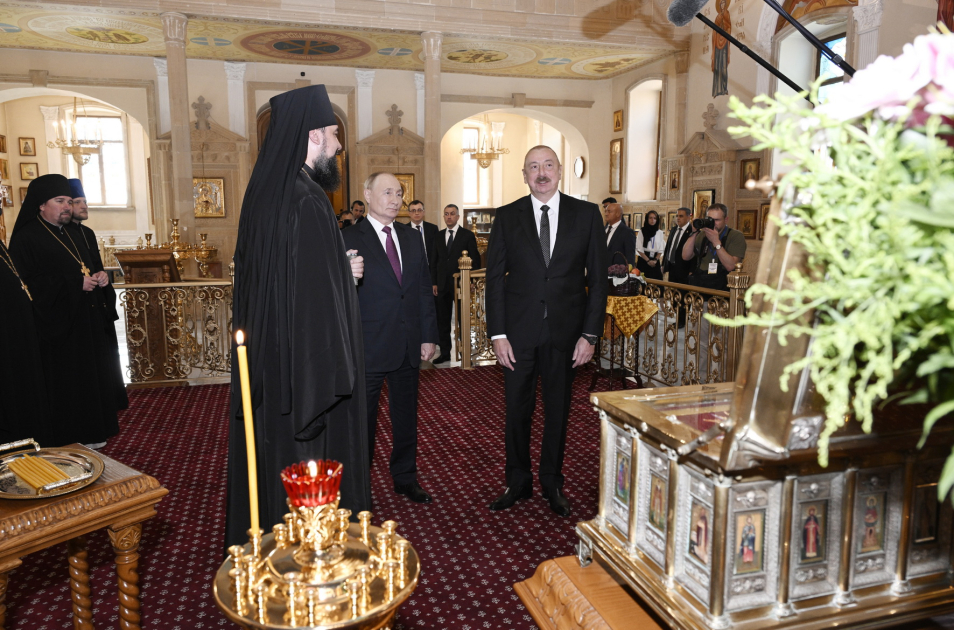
(71,318)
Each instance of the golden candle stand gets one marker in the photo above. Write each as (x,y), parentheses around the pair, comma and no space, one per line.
(181,251)
(204,254)
(318,570)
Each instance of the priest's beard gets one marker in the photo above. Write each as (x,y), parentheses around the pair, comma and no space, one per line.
(326,174)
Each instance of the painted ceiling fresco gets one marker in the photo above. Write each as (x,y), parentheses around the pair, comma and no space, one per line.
(126,32)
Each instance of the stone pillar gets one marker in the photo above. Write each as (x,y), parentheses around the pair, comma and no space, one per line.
(419,86)
(54,159)
(867,18)
(162,95)
(181,206)
(682,101)
(235,72)
(365,80)
(432,120)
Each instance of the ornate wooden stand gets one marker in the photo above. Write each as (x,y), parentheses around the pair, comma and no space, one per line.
(119,500)
(563,595)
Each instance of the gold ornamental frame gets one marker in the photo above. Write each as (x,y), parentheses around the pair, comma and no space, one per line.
(208,194)
(407,185)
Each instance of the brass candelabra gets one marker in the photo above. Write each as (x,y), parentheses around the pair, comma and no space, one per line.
(204,254)
(317,569)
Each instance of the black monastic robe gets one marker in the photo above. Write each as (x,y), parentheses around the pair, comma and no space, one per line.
(326,417)
(23,401)
(85,239)
(73,329)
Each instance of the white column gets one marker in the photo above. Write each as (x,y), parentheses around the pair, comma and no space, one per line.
(54,157)
(365,80)
(432,118)
(235,72)
(162,95)
(182,206)
(867,16)
(419,86)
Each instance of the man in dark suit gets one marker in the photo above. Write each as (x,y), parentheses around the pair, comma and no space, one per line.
(397,315)
(546,302)
(452,242)
(619,236)
(673,263)
(427,230)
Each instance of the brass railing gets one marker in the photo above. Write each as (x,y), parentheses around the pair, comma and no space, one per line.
(698,352)
(178,332)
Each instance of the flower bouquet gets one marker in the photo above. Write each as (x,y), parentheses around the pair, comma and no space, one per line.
(875,217)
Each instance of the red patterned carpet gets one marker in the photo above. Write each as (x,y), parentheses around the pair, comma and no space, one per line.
(471,557)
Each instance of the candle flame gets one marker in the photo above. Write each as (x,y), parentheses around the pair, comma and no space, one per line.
(312,468)
(239,337)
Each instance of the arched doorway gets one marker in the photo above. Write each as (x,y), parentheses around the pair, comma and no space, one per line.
(339,199)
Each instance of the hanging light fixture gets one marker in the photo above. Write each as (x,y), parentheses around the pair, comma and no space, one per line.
(78,141)
(486,154)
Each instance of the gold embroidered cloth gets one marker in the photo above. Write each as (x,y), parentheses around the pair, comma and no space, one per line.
(630,313)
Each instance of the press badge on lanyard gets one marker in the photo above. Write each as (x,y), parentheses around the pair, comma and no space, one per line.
(713,268)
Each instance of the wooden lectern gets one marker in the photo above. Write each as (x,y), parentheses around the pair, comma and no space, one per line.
(148,266)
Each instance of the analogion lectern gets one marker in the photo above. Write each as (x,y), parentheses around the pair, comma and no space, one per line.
(714,509)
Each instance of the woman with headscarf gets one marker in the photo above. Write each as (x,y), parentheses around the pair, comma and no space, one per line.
(650,243)
(70,316)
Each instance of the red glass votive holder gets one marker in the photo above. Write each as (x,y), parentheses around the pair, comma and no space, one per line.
(312,490)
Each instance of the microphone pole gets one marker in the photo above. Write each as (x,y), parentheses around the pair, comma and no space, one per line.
(718,29)
(814,41)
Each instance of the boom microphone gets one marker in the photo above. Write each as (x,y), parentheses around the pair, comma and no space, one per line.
(681,12)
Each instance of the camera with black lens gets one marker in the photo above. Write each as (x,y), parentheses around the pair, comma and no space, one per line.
(705,222)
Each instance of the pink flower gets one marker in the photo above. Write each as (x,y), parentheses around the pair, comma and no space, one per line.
(925,68)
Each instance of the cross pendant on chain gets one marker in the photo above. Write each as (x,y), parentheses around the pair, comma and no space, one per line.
(23,284)
(85,269)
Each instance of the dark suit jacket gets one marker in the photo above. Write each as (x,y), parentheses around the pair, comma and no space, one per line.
(447,263)
(430,238)
(396,318)
(678,272)
(623,240)
(519,284)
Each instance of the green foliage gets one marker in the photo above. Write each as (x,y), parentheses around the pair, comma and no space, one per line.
(874,214)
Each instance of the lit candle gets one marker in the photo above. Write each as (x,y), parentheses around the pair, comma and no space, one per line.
(249,428)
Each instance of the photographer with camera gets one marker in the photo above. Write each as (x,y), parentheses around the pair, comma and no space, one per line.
(716,249)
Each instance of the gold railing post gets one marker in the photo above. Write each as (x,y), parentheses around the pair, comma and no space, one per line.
(463,309)
(738,285)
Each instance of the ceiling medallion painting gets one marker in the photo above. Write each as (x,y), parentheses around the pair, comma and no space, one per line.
(300,45)
(486,55)
(608,65)
(104,33)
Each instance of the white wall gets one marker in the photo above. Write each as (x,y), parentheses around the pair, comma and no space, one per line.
(641,145)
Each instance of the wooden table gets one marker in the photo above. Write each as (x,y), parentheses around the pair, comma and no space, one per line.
(120,500)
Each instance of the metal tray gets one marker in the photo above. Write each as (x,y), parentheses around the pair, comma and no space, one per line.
(83,468)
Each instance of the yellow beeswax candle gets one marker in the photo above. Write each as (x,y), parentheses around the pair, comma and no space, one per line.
(249,428)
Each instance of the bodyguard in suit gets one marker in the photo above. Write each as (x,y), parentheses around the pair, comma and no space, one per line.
(451,244)
(546,302)
(427,230)
(619,236)
(673,263)
(397,315)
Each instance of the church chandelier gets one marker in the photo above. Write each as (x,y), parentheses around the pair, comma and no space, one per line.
(486,154)
(79,140)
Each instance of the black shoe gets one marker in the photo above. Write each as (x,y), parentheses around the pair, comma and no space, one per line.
(441,359)
(414,492)
(511,496)
(558,501)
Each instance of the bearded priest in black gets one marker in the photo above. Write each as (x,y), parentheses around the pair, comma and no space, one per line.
(72,322)
(296,302)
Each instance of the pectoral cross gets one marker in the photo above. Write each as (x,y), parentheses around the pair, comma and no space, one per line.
(23,284)
(84,269)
